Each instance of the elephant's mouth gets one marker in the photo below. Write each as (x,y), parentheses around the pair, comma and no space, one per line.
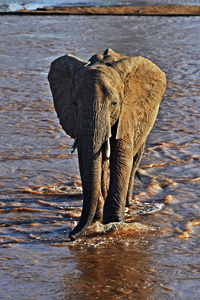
(106,147)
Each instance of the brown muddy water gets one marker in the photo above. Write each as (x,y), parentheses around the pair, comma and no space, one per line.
(156,253)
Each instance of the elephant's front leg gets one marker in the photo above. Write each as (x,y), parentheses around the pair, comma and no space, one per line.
(121,162)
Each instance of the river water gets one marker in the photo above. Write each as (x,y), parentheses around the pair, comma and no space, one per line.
(156,253)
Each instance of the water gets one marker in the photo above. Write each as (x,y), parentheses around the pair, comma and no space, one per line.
(156,253)
(11,5)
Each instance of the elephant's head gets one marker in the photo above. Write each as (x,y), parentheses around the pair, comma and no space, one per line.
(93,97)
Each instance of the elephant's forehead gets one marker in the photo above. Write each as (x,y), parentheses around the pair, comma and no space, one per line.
(99,74)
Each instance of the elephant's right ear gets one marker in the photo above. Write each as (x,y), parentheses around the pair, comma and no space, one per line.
(60,78)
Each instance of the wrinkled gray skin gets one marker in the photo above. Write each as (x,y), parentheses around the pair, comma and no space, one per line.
(109,105)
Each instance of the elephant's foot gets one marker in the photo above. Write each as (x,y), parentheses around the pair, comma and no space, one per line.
(112,218)
(112,213)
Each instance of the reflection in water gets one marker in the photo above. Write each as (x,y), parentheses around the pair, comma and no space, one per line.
(118,271)
(157,255)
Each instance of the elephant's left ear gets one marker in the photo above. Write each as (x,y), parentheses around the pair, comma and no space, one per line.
(144,85)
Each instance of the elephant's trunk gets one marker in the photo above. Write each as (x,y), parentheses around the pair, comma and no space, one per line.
(90,170)
(91,136)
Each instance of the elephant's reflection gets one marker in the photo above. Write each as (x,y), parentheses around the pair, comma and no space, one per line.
(111,270)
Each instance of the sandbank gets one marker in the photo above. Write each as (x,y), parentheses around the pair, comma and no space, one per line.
(156,10)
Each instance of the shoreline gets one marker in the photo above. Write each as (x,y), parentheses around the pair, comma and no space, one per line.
(156,10)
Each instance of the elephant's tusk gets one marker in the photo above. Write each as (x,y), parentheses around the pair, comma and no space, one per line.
(107,148)
(75,143)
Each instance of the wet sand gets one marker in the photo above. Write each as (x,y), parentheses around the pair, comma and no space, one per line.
(157,10)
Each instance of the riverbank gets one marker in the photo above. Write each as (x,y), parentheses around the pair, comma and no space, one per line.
(157,10)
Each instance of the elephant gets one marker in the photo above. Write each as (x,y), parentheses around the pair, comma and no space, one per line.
(108,105)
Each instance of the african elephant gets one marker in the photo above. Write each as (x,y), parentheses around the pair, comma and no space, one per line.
(108,105)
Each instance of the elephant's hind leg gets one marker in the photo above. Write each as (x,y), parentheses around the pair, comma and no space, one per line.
(99,210)
(136,162)
(103,190)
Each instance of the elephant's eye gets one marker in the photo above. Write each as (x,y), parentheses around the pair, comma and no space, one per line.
(113,104)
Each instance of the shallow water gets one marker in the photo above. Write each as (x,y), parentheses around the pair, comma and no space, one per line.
(155,254)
